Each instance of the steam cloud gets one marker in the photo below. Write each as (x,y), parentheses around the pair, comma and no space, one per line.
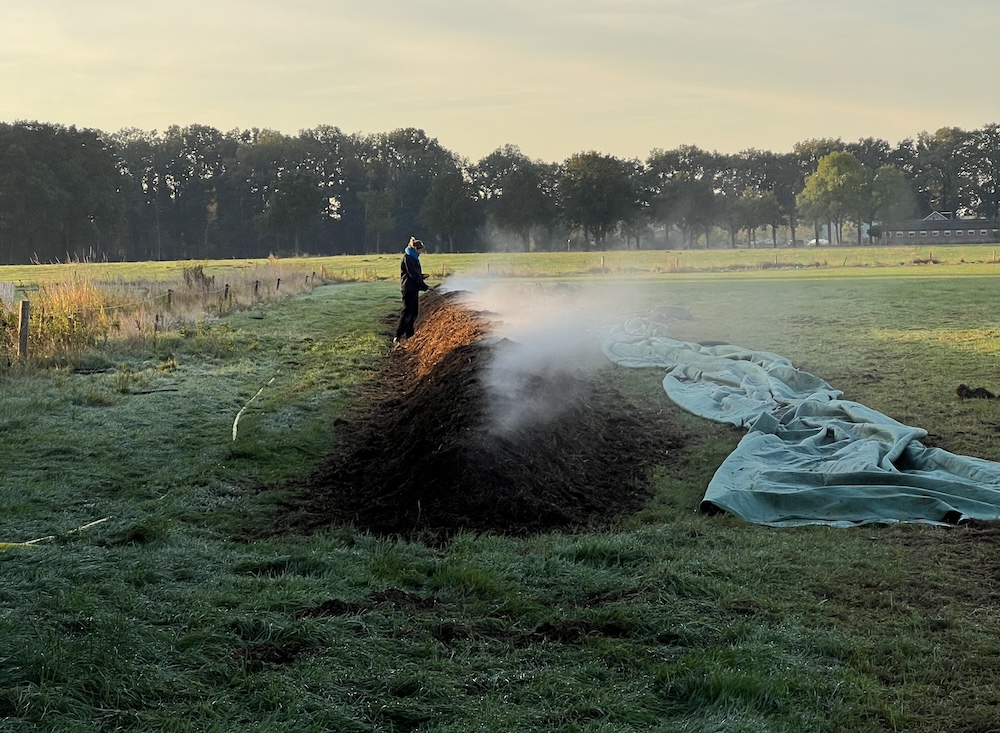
(556,330)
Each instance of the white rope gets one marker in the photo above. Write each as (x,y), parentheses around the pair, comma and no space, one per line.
(29,543)
(239,414)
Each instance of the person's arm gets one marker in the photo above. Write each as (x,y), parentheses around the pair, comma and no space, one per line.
(417,273)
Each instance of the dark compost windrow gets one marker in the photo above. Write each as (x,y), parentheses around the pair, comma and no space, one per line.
(423,453)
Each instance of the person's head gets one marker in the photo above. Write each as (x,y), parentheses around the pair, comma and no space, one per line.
(417,244)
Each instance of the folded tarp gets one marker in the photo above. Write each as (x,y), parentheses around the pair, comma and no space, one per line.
(724,383)
(809,457)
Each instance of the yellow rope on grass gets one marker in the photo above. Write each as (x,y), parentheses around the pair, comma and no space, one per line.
(29,543)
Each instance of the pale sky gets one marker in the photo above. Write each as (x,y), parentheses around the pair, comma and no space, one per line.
(554,77)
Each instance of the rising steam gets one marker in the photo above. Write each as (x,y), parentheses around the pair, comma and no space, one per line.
(555,333)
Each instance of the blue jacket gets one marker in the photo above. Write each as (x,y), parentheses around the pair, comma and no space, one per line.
(411,276)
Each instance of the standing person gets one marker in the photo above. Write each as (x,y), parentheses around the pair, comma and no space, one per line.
(411,283)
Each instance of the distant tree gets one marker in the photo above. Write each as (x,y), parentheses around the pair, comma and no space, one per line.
(451,207)
(771,213)
(513,189)
(744,199)
(681,189)
(730,213)
(982,153)
(197,192)
(787,181)
(524,203)
(890,199)
(871,152)
(938,167)
(491,171)
(777,179)
(59,193)
(733,178)
(136,161)
(31,198)
(327,153)
(254,172)
(404,162)
(760,209)
(661,189)
(378,216)
(355,178)
(597,194)
(700,207)
(183,189)
(836,190)
(814,207)
(808,153)
(551,219)
(637,224)
(205,153)
(297,203)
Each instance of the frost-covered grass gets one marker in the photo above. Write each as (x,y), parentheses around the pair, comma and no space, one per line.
(181,611)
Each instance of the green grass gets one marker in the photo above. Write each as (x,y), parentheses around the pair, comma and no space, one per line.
(782,261)
(181,612)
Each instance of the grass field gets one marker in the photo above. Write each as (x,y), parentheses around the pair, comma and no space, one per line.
(858,261)
(143,588)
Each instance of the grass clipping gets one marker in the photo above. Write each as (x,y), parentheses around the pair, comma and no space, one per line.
(425,453)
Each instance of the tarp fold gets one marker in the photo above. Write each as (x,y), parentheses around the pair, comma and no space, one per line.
(809,457)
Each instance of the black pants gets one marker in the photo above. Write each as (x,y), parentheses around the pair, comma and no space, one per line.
(410,304)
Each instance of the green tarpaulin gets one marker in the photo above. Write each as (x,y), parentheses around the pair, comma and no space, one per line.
(808,457)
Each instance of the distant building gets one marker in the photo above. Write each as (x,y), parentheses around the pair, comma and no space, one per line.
(942,227)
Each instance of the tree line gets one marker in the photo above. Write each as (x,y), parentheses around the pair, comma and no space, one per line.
(196,192)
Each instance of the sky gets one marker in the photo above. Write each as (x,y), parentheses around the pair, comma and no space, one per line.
(553,77)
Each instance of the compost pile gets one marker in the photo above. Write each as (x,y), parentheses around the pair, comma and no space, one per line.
(424,453)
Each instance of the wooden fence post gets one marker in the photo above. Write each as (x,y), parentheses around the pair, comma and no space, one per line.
(22,330)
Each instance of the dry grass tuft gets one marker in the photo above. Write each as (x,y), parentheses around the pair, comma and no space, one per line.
(67,317)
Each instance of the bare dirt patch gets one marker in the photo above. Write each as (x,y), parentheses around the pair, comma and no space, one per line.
(425,453)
